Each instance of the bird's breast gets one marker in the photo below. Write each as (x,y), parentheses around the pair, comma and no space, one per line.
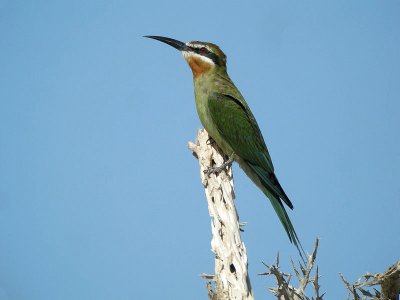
(202,92)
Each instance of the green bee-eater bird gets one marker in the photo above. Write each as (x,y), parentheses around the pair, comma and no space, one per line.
(229,121)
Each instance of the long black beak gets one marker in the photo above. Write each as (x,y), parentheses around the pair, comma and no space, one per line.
(174,43)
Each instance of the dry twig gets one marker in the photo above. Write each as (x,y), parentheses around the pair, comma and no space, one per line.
(388,280)
(285,290)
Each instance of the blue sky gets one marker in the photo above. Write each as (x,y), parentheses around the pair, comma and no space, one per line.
(99,196)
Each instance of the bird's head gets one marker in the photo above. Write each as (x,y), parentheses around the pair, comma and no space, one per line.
(202,57)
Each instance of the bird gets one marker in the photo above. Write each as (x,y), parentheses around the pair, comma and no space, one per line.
(227,118)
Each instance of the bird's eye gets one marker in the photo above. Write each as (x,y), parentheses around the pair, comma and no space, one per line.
(203,50)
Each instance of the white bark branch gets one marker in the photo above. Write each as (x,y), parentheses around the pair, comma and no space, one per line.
(231,280)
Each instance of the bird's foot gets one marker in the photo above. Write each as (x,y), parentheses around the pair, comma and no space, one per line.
(210,141)
(219,169)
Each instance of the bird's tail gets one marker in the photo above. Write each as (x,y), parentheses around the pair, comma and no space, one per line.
(262,180)
(287,224)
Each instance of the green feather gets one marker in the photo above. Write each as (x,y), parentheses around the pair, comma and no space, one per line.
(238,129)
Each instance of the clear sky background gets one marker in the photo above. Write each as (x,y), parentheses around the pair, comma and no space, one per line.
(100,197)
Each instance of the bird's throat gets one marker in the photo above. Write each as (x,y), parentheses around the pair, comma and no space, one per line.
(199,66)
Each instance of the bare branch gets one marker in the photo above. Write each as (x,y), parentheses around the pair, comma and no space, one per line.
(284,290)
(388,280)
(231,280)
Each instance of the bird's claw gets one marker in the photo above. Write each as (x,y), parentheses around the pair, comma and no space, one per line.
(214,170)
(210,141)
(219,169)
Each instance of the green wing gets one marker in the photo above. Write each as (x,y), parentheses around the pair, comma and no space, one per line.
(237,125)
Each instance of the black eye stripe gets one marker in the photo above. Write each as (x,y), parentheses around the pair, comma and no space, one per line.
(203,51)
(214,58)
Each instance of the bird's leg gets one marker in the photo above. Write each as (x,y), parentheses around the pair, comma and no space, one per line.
(220,168)
(210,141)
